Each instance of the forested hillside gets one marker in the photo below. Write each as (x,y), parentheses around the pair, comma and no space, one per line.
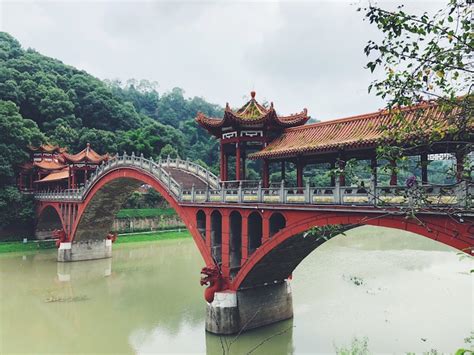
(45,100)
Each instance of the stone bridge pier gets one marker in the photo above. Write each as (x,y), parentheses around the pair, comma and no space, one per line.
(85,250)
(234,311)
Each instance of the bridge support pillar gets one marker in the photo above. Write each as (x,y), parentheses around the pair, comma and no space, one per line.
(85,250)
(235,311)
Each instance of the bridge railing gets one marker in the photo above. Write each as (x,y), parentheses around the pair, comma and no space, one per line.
(458,195)
(193,168)
(157,169)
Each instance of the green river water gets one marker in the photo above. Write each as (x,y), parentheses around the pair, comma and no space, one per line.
(401,292)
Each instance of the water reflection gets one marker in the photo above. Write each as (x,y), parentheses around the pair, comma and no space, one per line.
(147,299)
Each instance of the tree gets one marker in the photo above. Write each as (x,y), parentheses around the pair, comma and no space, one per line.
(16,134)
(425,57)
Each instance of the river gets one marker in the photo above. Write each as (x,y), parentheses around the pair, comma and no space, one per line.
(396,291)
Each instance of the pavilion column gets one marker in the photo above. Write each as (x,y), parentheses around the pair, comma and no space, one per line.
(283,173)
(237,161)
(265,174)
(373,168)
(226,167)
(243,164)
(333,176)
(393,176)
(73,178)
(459,166)
(342,177)
(299,172)
(222,163)
(424,168)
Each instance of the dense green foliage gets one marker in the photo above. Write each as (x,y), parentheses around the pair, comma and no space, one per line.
(44,100)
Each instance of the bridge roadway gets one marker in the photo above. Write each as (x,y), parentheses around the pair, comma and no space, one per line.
(251,238)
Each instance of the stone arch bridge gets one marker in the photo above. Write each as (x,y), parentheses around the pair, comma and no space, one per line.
(251,238)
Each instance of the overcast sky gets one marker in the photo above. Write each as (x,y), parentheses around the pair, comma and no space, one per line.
(296,54)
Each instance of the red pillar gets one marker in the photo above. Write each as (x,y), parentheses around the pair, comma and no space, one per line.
(393,176)
(245,238)
(299,173)
(237,161)
(459,166)
(333,177)
(225,243)
(373,166)
(208,231)
(424,168)
(226,173)
(265,228)
(243,164)
(342,178)
(223,163)
(265,174)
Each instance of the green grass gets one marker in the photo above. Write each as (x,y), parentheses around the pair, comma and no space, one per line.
(10,247)
(145,212)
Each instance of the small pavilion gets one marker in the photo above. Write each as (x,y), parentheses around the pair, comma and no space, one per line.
(52,168)
(245,130)
(81,165)
(44,160)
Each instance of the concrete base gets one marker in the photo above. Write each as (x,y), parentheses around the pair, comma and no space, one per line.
(235,311)
(85,250)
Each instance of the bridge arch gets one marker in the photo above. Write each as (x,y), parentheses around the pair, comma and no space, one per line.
(108,194)
(287,248)
(49,219)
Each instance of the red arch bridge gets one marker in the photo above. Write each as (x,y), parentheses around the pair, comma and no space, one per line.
(251,238)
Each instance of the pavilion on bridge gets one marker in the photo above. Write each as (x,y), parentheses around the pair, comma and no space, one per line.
(287,143)
(52,168)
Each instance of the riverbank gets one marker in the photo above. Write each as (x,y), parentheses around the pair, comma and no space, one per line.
(32,245)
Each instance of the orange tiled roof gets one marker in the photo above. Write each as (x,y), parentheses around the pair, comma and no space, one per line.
(86,155)
(352,132)
(49,165)
(59,175)
(251,114)
(48,148)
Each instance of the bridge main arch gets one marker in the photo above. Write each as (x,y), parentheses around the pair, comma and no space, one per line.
(286,249)
(105,198)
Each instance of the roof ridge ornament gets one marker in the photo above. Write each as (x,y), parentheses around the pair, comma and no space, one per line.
(252,94)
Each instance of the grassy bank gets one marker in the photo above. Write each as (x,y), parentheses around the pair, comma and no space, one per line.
(10,247)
